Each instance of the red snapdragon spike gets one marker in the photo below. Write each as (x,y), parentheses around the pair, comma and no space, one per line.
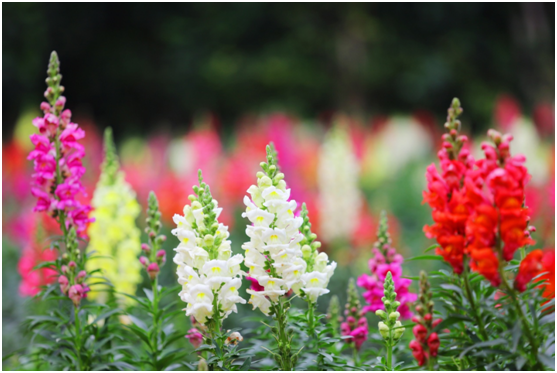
(433,343)
(417,352)
(420,332)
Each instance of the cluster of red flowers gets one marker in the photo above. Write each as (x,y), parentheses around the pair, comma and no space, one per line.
(534,264)
(426,345)
(477,206)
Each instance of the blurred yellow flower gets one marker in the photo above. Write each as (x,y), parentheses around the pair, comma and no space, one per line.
(114,236)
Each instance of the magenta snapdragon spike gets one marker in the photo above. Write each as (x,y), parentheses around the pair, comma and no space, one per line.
(355,325)
(385,259)
(57,158)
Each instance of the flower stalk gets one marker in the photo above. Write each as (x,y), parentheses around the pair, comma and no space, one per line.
(390,328)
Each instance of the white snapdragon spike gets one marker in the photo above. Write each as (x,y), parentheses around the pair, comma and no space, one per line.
(273,254)
(318,271)
(210,276)
(339,194)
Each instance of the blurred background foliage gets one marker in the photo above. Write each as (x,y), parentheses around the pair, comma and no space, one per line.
(135,66)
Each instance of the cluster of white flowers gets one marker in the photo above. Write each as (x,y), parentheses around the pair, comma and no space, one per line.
(339,195)
(274,255)
(209,275)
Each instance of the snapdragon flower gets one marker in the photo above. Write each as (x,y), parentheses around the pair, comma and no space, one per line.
(210,276)
(114,235)
(57,158)
(385,259)
(273,254)
(339,194)
(426,343)
(355,325)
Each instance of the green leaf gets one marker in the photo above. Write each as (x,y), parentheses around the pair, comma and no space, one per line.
(105,315)
(138,322)
(426,257)
(546,360)
(246,365)
(149,294)
(432,247)
(452,319)
(483,344)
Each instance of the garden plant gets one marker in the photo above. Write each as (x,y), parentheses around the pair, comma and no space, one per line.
(489,306)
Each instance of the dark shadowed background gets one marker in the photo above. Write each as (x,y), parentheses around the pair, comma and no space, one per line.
(134,66)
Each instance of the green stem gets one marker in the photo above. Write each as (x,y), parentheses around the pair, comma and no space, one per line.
(284,343)
(472,302)
(214,330)
(155,332)
(525,323)
(311,323)
(389,354)
(355,357)
(77,338)
(389,346)
(516,304)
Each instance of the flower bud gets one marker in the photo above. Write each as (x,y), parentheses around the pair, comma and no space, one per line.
(81,275)
(420,332)
(143,260)
(396,303)
(202,365)
(381,313)
(161,256)
(153,270)
(64,269)
(398,330)
(45,106)
(433,343)
(145,247)
(383,329)
(60,102)
(63,281)
(436,322)
(72,265)
(76,294)
(306,251)
(393,316)
(427,317)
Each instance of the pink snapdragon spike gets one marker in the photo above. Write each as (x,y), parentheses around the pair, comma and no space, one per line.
(57,159)
(385,259)
(355,325)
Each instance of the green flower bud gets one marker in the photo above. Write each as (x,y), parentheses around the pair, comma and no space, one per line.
(264,182)
(306,251)
(383,329)
(209,240)
(202,365)
(381,314)
(398,330)
(393,316)
(396,304)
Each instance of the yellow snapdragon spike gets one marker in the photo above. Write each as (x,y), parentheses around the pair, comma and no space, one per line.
(114,236)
